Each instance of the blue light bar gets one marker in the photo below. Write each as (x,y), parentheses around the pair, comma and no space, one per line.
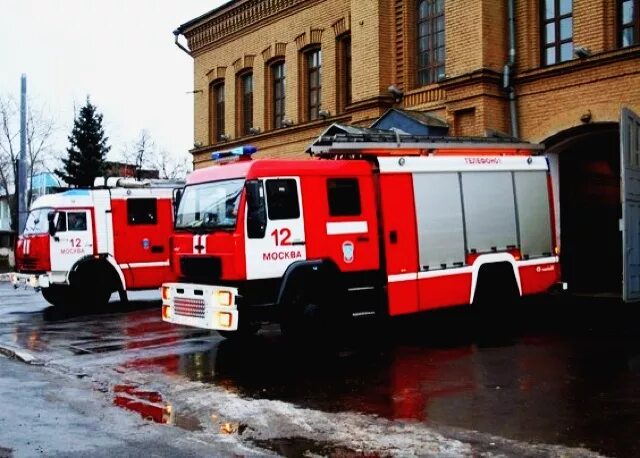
(240,151)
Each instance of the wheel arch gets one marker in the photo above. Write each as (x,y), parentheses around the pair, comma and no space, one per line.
(316,271)
(106,262)
(493,259)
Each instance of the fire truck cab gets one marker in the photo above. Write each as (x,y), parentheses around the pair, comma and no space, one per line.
(374,225)
(81,245)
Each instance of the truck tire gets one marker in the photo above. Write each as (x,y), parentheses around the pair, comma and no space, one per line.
(92,284)
(58,295)
(496,287)
(245,331)
(91,297)
(305,317)
(496,300)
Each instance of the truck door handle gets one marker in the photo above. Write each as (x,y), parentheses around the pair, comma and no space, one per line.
(157,249)
(362,239)
(393,237)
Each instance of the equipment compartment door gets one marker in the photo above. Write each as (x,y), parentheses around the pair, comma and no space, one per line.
(400,242)
(142,227)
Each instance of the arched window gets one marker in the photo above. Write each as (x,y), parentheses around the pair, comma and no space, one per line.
(629,22)
(313,74)
(245,102)
(431,52)
(278,78)
(216,111)
(343,68)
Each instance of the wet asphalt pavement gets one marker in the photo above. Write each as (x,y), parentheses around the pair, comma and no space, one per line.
(564,372)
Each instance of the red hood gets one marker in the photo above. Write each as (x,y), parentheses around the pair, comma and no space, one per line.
(228,247)
(32,253)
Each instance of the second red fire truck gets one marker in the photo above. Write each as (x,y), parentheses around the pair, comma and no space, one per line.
(81,245)
(375,225)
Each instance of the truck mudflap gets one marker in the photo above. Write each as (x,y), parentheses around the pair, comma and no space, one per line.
(200,306)
(36,281)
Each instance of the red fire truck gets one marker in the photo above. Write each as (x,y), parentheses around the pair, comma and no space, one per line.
(375,225)
(81,245)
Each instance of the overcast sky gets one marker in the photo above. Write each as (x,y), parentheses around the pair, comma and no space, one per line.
(120,52)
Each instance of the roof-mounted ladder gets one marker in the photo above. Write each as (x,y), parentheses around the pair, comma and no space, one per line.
(395,144)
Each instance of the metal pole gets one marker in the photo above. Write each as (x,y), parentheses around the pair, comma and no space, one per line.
(22,163)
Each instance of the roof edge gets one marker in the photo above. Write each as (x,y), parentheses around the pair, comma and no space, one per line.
(208,15)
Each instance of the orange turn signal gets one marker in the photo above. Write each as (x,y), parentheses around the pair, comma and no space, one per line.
(166,293)
(166,312)
(224,319)
(225,298)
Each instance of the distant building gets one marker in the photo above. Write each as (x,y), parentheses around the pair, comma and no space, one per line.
(44,183)
(7,236)
(122,169)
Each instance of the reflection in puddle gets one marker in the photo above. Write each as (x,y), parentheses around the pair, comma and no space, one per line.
(151,406)
(300,447)
(571,390)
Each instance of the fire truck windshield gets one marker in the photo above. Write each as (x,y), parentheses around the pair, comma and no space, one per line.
(37,222)
(210,206)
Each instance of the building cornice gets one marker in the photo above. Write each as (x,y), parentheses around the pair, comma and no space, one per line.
(380,101)
(574,65)
(265,136)
(236,18)
(482,75)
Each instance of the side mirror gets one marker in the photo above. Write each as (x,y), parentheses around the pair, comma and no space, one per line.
(256,211)
(177,197)
(51,217)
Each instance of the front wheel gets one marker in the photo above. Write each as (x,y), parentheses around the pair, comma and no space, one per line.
(244,331)
(58,295)
(306,317)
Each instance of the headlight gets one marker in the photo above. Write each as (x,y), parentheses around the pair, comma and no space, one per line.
(166,293)
(224,298)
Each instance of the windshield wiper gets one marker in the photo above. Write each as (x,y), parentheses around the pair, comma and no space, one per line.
(201,230)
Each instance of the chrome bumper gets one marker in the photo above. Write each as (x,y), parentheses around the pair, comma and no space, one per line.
(200,306)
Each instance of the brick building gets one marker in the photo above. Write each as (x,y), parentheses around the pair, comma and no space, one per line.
(275,73)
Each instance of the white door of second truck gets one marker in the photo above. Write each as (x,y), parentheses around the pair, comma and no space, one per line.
(630,195)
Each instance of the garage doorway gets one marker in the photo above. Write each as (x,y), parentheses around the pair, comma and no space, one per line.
(588,178)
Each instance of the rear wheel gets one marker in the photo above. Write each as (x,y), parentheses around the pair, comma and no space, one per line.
(496,300)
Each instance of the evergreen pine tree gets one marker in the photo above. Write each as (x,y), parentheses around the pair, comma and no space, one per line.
(87,154)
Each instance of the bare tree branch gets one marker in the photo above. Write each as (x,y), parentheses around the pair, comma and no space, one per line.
(40,128)
(169,167)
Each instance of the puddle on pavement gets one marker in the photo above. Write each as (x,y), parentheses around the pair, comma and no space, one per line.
(574,382)
(301,447)
(151,406)
(560,375)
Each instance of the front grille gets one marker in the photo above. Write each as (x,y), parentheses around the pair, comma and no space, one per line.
(29,264)
(189,307)
(201,269)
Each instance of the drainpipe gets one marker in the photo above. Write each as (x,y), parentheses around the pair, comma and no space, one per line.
(176,34)
(509,70)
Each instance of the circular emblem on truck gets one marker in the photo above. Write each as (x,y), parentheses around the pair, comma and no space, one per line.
(348,251)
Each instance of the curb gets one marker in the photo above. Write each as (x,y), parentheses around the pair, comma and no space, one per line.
(21,355)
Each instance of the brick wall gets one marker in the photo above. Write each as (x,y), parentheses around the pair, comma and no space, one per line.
(383,37)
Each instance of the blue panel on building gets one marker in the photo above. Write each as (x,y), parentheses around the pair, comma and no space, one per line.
(412,122)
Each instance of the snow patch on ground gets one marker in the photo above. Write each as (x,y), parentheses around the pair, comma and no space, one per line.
(264,420)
